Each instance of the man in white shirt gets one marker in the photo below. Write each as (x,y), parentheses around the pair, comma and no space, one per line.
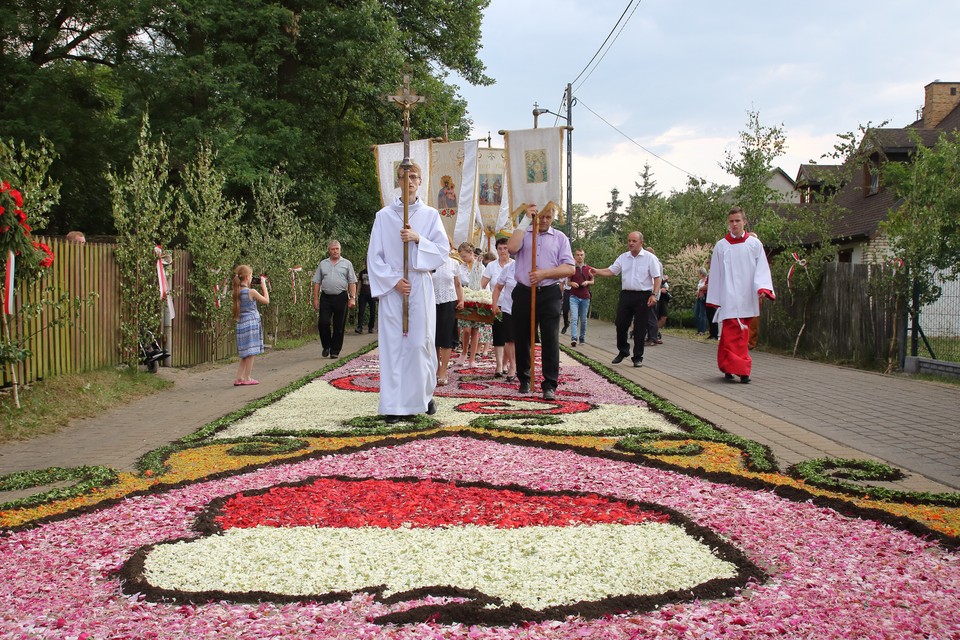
(640,286)
(739,277)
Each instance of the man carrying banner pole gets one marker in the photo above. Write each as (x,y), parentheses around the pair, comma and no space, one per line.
(543,259)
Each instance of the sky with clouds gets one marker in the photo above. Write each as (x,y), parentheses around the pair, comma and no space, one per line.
(682,75)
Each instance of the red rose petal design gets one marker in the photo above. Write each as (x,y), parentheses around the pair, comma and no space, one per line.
(332,502)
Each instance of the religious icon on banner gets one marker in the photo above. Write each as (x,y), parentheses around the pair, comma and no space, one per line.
(447,197)
(491,189)
(535,161)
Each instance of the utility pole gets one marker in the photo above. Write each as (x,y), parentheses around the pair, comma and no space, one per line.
(570,161)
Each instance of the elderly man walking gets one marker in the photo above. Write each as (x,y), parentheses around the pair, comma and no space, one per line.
(640,287)
(334,291)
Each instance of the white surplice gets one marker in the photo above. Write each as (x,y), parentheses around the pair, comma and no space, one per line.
(738,271)
(408,364)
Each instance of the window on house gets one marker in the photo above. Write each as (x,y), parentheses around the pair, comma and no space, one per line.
(845,255)
(871,179)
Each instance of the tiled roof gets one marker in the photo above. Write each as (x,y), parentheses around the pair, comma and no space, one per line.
(862,214)
(816,174)
(951,122)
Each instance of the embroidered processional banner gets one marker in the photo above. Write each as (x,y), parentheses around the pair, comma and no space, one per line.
(534,169)
(389,157)
(453,187)
(492,201)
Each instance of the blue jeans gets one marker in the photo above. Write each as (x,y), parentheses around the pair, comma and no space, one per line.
(578,317)
(700,314)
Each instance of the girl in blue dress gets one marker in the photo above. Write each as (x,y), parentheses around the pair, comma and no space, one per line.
(249,326)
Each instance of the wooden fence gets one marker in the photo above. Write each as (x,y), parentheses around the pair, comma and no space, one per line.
(852,318)
(93,341)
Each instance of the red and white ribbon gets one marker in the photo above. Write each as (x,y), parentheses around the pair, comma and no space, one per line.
(897,264)
(161,273)
(219,288)
(293,280)
(798,261)
(162,280)
(8,284)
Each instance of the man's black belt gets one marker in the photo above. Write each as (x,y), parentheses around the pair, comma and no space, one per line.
(546,286)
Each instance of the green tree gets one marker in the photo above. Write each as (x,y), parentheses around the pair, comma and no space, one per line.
(784,229)
(213,235)
(647,187)
(924,231)
(584,225)
(293,83)
(612,219)
(277,243)
(752,165)
(145,219)
(58,63)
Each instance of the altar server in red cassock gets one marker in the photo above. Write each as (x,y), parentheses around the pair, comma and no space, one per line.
(739,276)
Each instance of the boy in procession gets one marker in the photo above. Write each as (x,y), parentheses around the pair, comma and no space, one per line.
(739,277)
(408,363)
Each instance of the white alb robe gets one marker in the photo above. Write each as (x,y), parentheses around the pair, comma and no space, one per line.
(408,364)
(738,271)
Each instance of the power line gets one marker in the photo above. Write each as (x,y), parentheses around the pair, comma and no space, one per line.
(627,8)
(622,27)
(602,119)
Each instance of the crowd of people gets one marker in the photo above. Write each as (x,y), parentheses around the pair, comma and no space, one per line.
(535,280)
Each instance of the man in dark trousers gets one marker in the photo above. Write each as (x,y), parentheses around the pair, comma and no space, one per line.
(640,287)
(334,291)
(364,300)
(554,263)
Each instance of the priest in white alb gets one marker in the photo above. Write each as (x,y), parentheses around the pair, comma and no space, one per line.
(408,363)
(739,277)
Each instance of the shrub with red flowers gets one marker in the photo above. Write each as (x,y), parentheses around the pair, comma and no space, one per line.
(31,256)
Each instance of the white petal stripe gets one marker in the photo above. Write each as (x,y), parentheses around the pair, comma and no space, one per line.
(321,406)
(535,567)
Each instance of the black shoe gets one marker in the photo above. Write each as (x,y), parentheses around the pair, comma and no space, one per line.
(431,407)
(392,419)
(565,327)
(524,387)
(573,344)
(637,362)
(619,358)
(549,394)
(745,379)
(334,356)
(728,377)
(358,330)
(370,330)
(326,352)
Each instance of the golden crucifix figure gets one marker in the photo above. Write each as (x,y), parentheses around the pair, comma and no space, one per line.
(405,100)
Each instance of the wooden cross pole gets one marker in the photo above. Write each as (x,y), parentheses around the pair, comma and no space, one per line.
(405,100)
(533,302)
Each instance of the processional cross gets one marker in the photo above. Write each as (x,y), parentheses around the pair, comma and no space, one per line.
(406,100)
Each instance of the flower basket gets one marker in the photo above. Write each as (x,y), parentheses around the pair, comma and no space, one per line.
(476,314)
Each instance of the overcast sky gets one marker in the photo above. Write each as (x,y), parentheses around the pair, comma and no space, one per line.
(683,74)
